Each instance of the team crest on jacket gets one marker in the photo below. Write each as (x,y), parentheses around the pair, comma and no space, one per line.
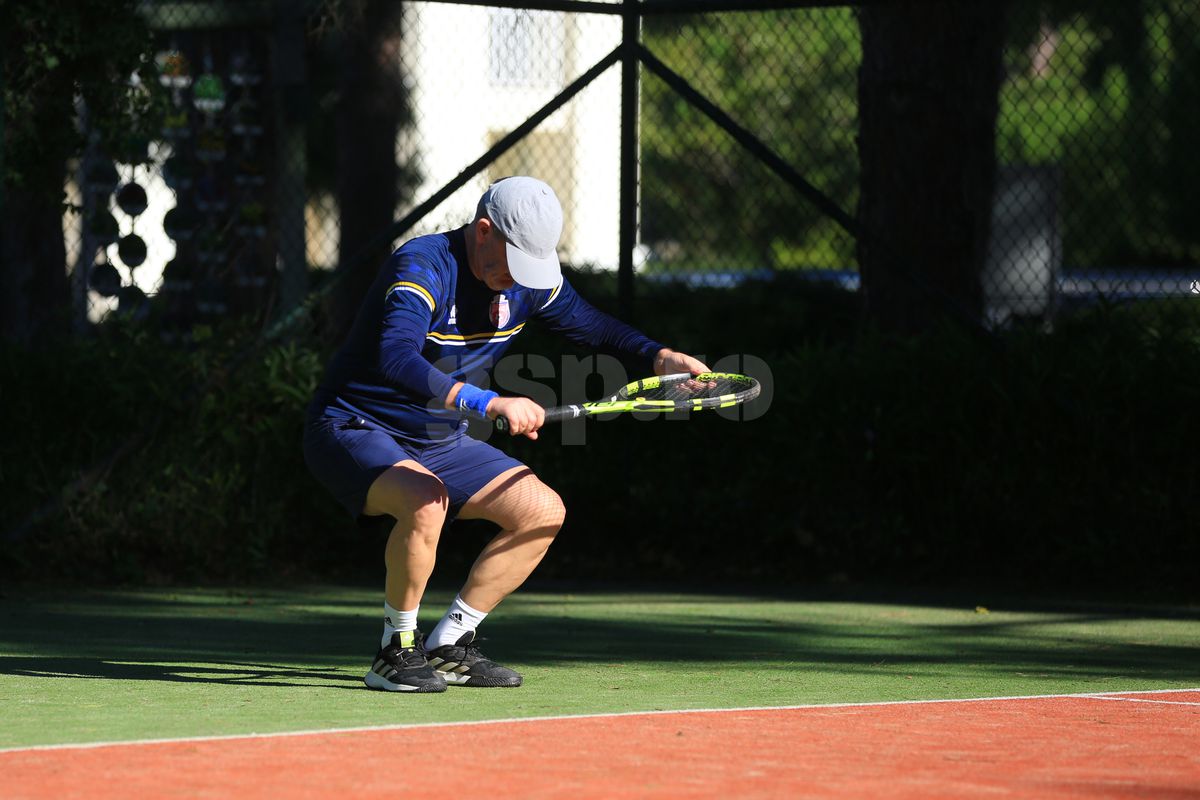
(499,311)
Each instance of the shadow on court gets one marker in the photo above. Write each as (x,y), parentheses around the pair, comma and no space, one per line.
(233,673)
(291,639)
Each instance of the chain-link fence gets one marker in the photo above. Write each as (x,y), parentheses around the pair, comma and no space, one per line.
(293,134)
(1091,198)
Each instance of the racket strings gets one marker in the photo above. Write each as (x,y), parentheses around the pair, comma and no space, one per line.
(684,390)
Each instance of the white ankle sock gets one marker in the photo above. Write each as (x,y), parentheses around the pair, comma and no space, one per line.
(459,619)
(394,620)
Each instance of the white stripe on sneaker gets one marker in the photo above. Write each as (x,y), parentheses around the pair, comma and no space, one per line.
(374,680)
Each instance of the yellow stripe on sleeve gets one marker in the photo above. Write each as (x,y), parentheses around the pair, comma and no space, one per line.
(553,296)
(415,288)
(454,338)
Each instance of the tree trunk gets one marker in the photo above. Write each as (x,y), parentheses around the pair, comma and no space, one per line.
(928,96)
(35,296)
(35,293)
(372,105)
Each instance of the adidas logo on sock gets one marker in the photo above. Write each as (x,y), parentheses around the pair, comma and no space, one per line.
(456,616)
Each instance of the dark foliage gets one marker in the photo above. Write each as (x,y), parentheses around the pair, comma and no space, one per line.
(1036,460)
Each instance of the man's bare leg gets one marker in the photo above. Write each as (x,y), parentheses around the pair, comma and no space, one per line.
(529,514)
(418,501)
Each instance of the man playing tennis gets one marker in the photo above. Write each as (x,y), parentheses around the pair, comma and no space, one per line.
(386,429)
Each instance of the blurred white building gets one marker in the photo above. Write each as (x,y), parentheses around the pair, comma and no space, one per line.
(476,74)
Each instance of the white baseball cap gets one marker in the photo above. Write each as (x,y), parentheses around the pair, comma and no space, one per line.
(528,214)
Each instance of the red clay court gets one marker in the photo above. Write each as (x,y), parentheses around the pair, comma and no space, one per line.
(1112,745)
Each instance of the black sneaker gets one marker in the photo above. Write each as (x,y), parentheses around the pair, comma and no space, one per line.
(402,667)
(462,664)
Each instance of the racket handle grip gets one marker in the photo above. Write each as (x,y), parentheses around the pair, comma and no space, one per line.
(562,413)
(552,415)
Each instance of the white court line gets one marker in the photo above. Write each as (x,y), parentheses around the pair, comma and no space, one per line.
(610,715)
(1140,700)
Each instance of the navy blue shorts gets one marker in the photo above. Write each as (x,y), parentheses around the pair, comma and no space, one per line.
(347,454)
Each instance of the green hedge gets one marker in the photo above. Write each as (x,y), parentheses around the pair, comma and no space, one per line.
(214,486)
(1051,460)
(1055,461)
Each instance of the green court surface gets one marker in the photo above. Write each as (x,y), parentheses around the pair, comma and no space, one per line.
(119,665)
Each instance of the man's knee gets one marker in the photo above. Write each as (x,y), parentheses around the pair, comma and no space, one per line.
(417,498)
(548,510)
(429,502)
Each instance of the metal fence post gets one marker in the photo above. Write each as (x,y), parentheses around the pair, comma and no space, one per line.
(3,112)
(630,39)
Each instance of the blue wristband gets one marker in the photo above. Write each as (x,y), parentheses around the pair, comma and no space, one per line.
(473,399)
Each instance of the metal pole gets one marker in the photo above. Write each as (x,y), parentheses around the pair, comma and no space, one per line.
(3,111)
(630,41)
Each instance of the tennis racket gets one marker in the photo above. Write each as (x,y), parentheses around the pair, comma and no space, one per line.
(682,392)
